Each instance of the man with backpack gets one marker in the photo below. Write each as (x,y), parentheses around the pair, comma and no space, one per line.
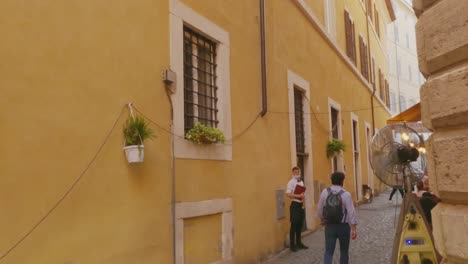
(336,210)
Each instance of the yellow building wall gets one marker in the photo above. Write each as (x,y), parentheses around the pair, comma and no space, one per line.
(68,68)
(318,7)
(71,68)
(202,239)
(303,51)
(251,178)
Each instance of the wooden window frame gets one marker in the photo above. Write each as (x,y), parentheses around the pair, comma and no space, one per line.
(364,58)
(377,21)
(350,37)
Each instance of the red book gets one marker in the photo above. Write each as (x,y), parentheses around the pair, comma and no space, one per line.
(299,189)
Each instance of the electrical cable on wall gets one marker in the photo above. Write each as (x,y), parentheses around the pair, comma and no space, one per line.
(65,195)
(325,130)
(183,137)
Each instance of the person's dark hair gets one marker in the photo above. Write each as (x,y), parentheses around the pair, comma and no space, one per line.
(296,168)
(337,178)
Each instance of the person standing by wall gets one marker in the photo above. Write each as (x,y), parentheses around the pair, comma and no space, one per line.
(296,211)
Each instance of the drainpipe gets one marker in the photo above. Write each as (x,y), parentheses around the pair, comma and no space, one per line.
(263,58)
(173,201)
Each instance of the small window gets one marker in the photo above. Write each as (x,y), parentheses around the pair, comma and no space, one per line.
(407,40)
(200,91)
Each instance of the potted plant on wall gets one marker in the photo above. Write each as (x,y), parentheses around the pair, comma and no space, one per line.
(335,147)
(202,134)
(135,131)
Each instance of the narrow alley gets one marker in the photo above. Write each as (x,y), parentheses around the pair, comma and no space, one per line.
(376,228)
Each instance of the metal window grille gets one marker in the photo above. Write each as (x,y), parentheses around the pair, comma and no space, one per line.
(299,121)
(334,122)
(334,119)
(200,91)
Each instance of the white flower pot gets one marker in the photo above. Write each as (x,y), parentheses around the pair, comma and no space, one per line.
(134,153)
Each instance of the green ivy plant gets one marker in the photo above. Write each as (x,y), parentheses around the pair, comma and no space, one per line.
(202,134)
(334,147)
(136,130)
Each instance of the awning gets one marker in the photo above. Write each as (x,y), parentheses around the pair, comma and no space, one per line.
(412,118)
(412,114)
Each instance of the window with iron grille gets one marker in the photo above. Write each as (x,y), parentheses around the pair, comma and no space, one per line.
(335,133)
(299,121)
(200,91)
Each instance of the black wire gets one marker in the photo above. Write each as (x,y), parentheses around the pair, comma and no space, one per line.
(246,129)
(66,193)
(182,137)
(156,124)
(325,130)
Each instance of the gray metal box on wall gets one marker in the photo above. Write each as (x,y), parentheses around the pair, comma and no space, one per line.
(280,210)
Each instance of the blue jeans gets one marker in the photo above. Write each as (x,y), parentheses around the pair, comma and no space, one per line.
(342,232)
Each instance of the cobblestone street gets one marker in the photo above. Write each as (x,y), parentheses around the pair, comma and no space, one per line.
(376,226)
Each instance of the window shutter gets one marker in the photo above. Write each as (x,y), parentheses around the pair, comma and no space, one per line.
(377,22)
(366,61)
(353,43)
(361,53)
(348,35)
(388,93)
(363,56)
(376,14)
(369,9)
(380,83)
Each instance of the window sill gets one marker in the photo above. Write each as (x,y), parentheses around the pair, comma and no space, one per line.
(184,149)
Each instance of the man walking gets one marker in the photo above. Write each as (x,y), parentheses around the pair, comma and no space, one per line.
(296,211)
(336,210)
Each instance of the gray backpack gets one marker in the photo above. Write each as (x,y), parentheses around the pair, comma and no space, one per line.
(333,209)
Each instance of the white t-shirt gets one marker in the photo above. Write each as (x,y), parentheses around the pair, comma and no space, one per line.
(292,186)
